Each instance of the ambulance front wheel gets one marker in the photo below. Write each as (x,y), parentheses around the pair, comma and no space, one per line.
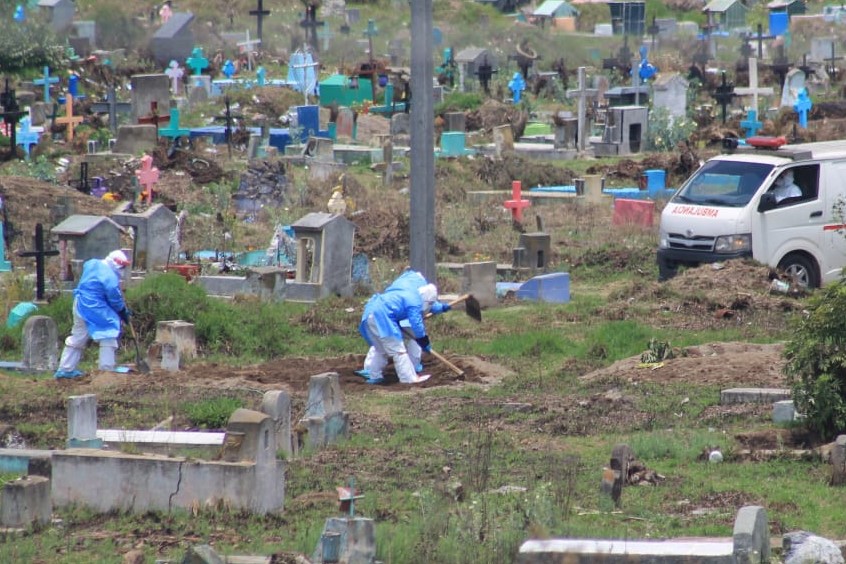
(802,269)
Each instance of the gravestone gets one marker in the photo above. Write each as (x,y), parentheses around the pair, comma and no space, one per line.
(821,48)
(277,405)
(344,125)
(40,344)
(455,121)
(82,421)
(479,279)
(400,124)
(174,39)
(258,437)
(135,139)
(838,461)
(793,83)
(503,138)
(325,418)
(669,91)
(197,94)
(146,89)
(178,333)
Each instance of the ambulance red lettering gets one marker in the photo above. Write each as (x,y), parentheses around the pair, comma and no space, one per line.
(695,210)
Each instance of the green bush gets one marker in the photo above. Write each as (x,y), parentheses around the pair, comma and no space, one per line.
(665,131)
(816,362)
(212,413)
(459,102)
(250,329)
(28,45)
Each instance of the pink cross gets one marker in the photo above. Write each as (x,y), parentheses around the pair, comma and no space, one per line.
(147,176)
(517,203)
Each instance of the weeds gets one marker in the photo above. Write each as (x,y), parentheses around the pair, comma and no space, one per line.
(212,413)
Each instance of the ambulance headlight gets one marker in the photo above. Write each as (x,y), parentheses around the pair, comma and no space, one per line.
(733,243)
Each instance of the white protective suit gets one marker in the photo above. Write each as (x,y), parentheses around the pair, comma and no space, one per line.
(785,187)
(98,308)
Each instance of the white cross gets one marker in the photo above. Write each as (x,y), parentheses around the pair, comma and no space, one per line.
(753,87)
(249,45)
(583,93)
(306,86)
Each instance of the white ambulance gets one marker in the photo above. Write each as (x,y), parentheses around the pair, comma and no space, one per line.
(731,207)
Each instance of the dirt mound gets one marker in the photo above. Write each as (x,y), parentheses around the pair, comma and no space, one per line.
(293,374)
(718,364)
(679,165)
(27,201)
(500,172)
(493,113)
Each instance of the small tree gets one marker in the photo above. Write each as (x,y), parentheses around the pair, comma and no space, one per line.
(816,362)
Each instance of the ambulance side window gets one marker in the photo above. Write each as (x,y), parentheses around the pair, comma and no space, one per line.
(807,178)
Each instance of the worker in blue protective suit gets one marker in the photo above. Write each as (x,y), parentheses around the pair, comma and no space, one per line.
(380,327)
(98,309)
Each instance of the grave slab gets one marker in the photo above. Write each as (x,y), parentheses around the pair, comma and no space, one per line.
(40,344)
(753,395)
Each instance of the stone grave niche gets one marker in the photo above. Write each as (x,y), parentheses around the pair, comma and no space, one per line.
(250,435)
(174,40)
(83,237)
(625,132)
(57,13)
(153,230)
(148,88)
(83,37)
(532,252)
(324,257)
(469,60)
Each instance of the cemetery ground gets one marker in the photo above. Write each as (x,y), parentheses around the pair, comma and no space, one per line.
(460,470)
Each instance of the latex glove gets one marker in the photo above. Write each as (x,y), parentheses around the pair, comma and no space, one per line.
(445,307)
(125,314)
(424,343)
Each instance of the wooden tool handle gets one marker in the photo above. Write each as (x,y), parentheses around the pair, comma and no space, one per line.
(457,300)
(447,363)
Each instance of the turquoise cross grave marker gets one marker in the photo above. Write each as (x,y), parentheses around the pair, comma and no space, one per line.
(751,123)
(173,130)
(46,80)
(197,62)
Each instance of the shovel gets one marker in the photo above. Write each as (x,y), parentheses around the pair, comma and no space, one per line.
(471,306)
(458,371)
(140,363)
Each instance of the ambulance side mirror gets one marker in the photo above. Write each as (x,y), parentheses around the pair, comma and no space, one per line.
(768,202)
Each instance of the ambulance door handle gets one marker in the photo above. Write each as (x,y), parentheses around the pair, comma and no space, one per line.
(816,214)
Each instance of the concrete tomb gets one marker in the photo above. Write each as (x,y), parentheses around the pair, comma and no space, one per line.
(324,257)
(86,237)
(154,228)
(325,420)
(346,539)
(26,502)
(268,283)
(135,139)
(174,40)
(533,251)
(625,131)
(59,13)
(249,478)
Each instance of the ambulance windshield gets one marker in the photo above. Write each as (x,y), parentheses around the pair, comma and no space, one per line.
(723,183)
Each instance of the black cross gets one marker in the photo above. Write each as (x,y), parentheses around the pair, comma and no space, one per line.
(40,254)
(11,114)
(830,67)
(227,117)
(780,65)
(259,13)
(745,47)
(82,184)
(310,23)
(724,94)
(653,30)
(624,55)
(805,67)
(760,38)
(485,73)
(112,106)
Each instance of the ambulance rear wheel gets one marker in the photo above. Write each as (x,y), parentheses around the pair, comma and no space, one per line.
(802,269)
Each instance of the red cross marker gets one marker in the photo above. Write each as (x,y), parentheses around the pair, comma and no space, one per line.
(147,176)
(517,203)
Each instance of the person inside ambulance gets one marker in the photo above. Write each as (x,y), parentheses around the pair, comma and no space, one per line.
(784,187)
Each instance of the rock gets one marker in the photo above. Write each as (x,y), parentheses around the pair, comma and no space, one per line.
(801,546)
(134,557)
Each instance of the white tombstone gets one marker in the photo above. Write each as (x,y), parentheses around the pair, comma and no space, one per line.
(794,81)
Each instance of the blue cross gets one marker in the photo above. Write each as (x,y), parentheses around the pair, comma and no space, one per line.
(802,106)
(20,14)
(47,80)
(197,61)
(261,76)
(751,123)
(228,68)
(27,136)
(73,87)
(173,130)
